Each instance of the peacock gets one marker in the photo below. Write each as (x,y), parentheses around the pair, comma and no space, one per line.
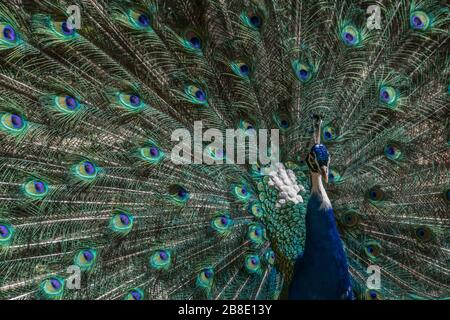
(93,205)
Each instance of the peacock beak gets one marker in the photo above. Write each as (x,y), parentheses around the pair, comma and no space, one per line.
(324,172)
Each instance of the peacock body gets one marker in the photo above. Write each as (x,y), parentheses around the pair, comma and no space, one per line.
(93,207)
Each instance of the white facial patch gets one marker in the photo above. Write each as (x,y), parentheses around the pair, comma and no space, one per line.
(286,183)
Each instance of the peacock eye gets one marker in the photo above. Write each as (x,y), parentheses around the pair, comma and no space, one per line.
(196,95)
(241,69)
(178,193)
(215,153)
(85,170)
(161,259)
(350,219)
(376,194)
(247,127)
(6,234)
(350,36)
(372,250)
(329,133)
(282,120)
(372,294)
(334,177)
(131,102)
(392,152)
(423,233)
(65,104)
(255,209)
(151,154)
(256,233)
(302,70)
(222,224)
(12,123)
(419,20)
(121,222)
(52,288)
(67,29)
(241,192)
(252,263)
(36,189)
(85,259)
(8,33)
(64,29)
(193,40)
(140,20)
(252,19)
(205,278)
(134,294)
(388,96)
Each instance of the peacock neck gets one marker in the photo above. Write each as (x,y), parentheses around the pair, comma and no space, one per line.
(319,190)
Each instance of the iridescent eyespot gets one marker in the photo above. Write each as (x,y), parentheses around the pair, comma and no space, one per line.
(392,152)
(85,259)
(334,177)
(255,209)
(179,194)
(329,133)
(222,224)
(241,69)
(192,40)
(161,260)
(256,233)
(6,234)
(139,20)
(12,123)
(376,194)
(252,263)
(252,19)
(121,222)
(302,70)
(35,189)
(67,104)
(215,153)
(52,288)
(419,20)
(131,102)
(389,96)
(241,192)
(196,95)
(372,250)
(151,154)
(372,294)
(85,170)
(8,33)
(350,218)
(247,127)
(64,30)
(134,294)
(270,257)
(8,37)
(282,121)
(350,36)
(423,233)
(205,278)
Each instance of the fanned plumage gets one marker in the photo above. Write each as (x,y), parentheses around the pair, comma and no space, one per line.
(87,115)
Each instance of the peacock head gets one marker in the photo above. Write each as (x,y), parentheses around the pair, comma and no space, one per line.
(318,160)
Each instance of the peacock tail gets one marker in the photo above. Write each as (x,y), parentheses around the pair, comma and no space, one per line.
(88,112)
